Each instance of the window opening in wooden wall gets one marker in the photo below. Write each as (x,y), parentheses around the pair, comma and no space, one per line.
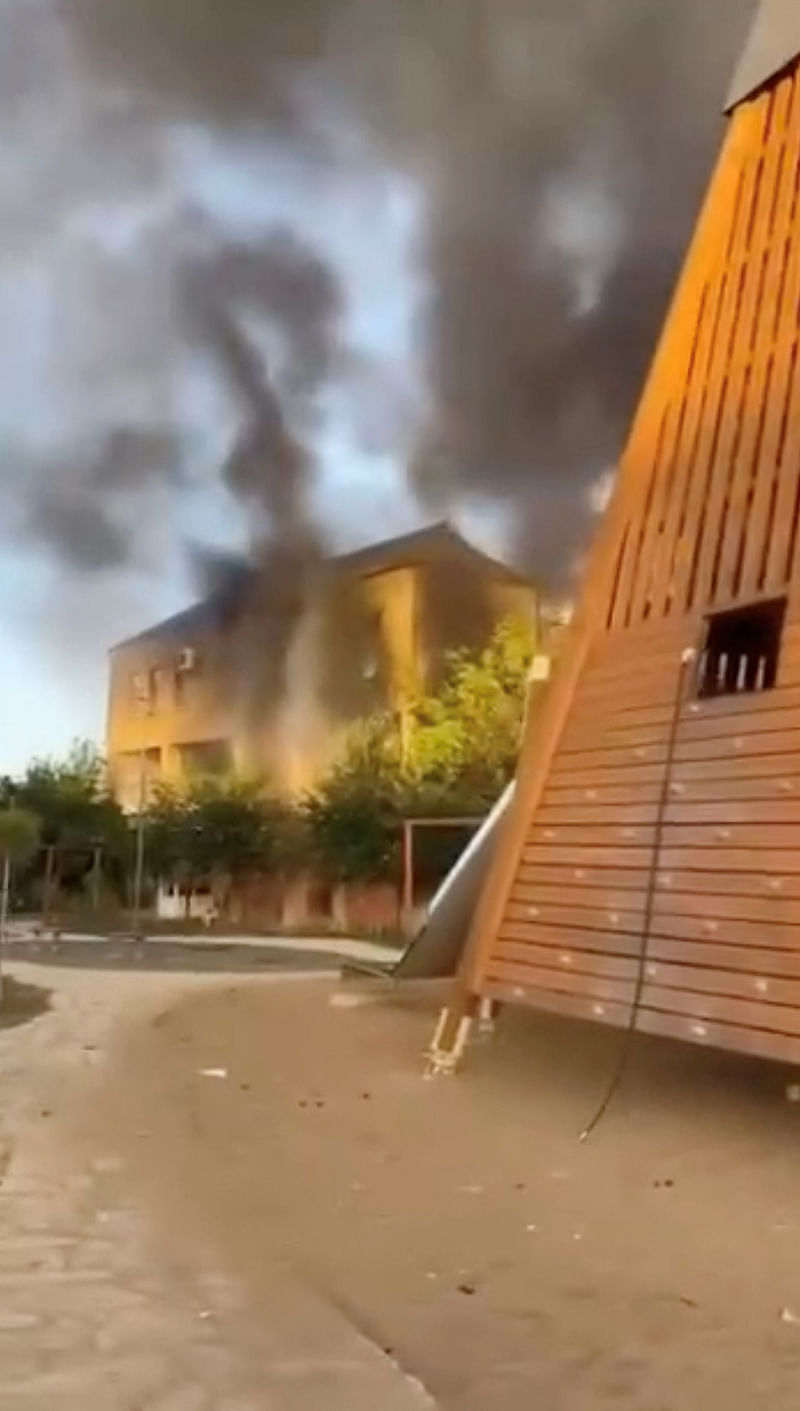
(742,649)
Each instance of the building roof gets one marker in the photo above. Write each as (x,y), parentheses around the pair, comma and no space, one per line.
(425,545)
(421,546)
(774,44)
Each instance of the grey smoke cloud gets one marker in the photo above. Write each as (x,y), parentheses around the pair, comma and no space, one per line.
(560,149)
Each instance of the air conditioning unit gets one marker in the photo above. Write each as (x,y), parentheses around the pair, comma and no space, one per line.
(187,659)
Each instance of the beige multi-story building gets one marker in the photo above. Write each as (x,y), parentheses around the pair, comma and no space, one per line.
(268,687)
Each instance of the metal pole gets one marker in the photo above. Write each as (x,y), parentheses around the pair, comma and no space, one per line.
(5,893)
(408,871)
(96,877)
(138,874)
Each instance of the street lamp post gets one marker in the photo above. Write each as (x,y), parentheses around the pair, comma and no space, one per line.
(138,872)
(5,893)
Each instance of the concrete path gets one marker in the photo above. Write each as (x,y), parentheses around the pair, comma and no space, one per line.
(91,1319)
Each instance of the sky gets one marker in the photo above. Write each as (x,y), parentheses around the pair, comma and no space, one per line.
(495,212)
(56,628)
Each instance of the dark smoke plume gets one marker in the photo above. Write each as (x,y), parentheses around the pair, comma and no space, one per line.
(559,148)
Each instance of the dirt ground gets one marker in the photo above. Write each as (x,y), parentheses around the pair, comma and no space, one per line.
(459,1222)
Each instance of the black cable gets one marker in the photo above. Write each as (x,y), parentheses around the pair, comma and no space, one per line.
(650,898)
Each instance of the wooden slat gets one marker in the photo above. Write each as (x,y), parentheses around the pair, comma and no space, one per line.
(560,922)
(784,1048)
(772,355)
(598,918)
(706,883)
(604,898)
(675,835)
(569,938)
(780,860)
(695,725)
(604,855)
(770,906)
(581,949)
(707,488)
(613,815)
(682,810)
(721,789)
(778,565)
(573,878)
(576,971)
(699,1005)
(755,359)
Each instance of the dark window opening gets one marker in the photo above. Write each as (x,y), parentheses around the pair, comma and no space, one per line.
(742,650)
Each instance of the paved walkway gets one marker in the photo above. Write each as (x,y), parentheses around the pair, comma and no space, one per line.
(90,1320)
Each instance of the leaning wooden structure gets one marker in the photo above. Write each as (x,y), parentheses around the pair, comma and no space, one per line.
(649,867)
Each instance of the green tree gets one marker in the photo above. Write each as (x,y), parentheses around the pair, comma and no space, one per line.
(72,800)
(78,818)
(216,831)
(19,834)
(466,738)
(462,751)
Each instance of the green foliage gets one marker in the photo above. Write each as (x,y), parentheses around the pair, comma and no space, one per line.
(217,828)
(467,734)
(19,834)
(71,799)
(457,757)
(353,826)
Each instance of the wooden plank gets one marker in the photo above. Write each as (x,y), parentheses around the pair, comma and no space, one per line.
(620,714)
(570,938)
(772,354)
(575,968)
(693,881)
(769,905)
(694,791)
(561,921)
(587,732)
(656,659)
(707,488)
(603,898)
(589,918)
(578,858)
(754,742)
(695,726)
(576,762)
(621,710)
(754,360)
(574,962)
(615,815)
(600,813)
(533,875)
(784,1048)
(742,766)
(720,811)
(533,977)
(781,861)
(674,835)
(585,949)
(751,703)
(725,1009)
(778,566)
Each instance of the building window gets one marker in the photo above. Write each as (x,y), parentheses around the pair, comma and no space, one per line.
(145,689)
(742,650)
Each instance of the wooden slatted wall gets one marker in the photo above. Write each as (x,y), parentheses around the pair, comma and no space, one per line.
(710,482)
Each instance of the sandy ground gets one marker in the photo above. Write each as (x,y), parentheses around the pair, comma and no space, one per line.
(97,1311)
(458,1222)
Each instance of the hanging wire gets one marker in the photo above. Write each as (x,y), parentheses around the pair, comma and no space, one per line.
(687,660)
